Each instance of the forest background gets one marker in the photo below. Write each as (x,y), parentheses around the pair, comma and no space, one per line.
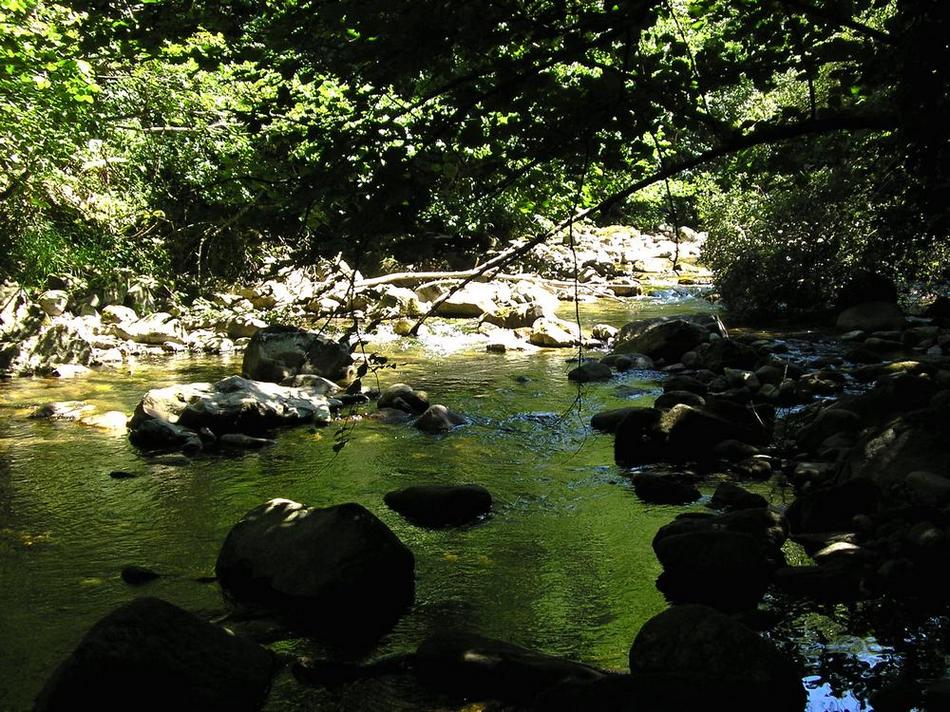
(188,140)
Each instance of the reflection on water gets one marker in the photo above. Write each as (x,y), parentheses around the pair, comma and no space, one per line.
(564,564)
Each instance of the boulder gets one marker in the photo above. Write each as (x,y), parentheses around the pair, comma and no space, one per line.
(118,314)
(915,441)
(279,352)
(155,329)
(768,528)
(691,433)
(693,657)
(636,438)
(607,421)
(439,506)
(242,326)
(724,569)
(726,353)
(673,398)
(156,434)
(338,572)
(871,316)
(470,666)
(553,333)
(438,419)
(518,316)
(660,339)
(151,655)
(656,488)
(403,397)
(472,301)
(589,372)
(730,497)
(53,301)
(831,509)
(232,405)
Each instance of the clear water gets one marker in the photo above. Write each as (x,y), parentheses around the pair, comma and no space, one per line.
(564,564)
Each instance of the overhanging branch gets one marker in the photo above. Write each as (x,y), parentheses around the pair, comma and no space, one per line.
(758,137)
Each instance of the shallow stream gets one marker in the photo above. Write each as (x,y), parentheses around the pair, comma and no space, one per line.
(564,564)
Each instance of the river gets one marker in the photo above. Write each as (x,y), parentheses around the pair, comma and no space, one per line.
(564,564)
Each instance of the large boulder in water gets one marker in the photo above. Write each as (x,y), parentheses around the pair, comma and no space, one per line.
(339,572)
(151,655)
(661,339)
(473,667)
(724,569)
(279,352)
(232,405)
(693,657)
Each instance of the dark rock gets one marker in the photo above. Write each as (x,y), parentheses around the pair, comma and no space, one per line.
(612,693)
(724,569)
(589,372)
(664,489)
(692,433)
(913,442)
(279,352)
(636,441)
(438,419)
(735,450)
(828,422)
(626,362)
(727,353)
(663,339)
(833,583)
(768,528)
(671,398)
(607,421)
(441,505)
(683,382)
(122,475)
(151,655)
(155,434)
(729,497)
(138,575)
(403,397)
(338,572)
(693,657)
(871,316)
(476,668)
(829,509)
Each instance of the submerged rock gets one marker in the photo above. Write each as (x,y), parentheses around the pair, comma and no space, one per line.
(441,505)
(664,489)
(401,396)
(589,372)
(338,572)
(151,655)
(469,666)
(693,657)
(279,352)
(439,419)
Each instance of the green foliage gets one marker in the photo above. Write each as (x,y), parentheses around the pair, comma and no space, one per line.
(190,138)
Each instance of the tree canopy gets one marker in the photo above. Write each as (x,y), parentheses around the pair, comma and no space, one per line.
(808,136)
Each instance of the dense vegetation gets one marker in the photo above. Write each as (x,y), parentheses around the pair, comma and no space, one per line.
(188,139)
